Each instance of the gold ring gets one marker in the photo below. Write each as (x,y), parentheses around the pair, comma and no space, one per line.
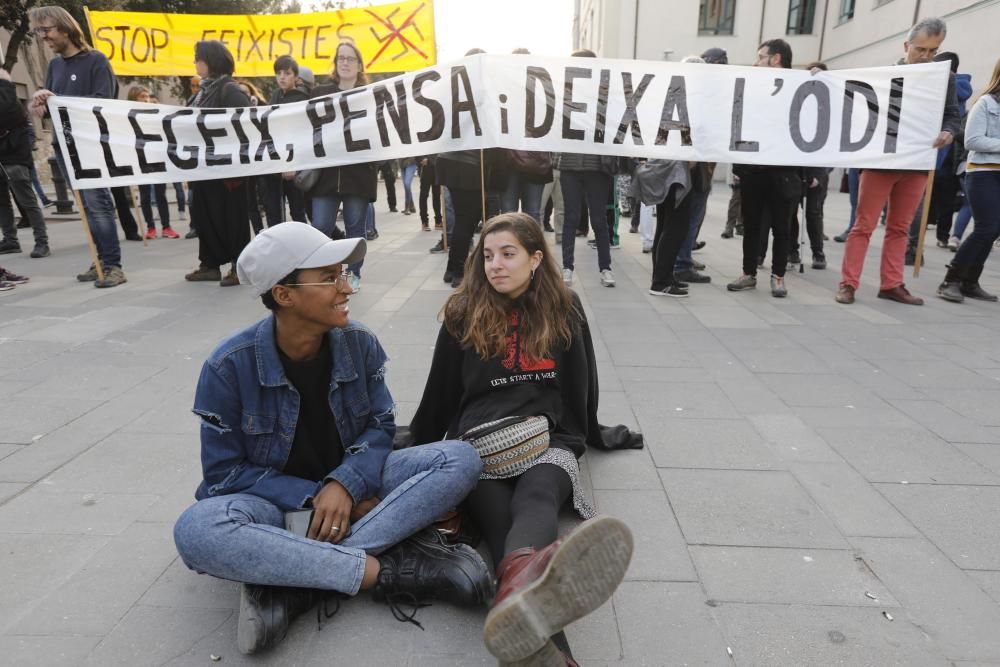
(334,528)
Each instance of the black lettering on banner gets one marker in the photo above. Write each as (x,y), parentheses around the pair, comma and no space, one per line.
(674,102)
(99,34)
(74,156)
(255,44)
(209,134)
(504,124)
(459,106)
(603,91)
(895,112)
(114,169)
(852,88)
(398,112)
(819,90)
(205,34)
(318,40)
(143,138)
(281,38)
(630,119)
(266,141)
(237,123)
(157,45)
(239,45)
(534,76)
(437,110)
(305,37)
(190,162)
(149,45)
(348,114)
(222,36)
(123,29)
(569,105)
(318,121)
(736,141)
(270,46)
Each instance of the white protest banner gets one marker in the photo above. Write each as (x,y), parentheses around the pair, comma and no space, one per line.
(884,117)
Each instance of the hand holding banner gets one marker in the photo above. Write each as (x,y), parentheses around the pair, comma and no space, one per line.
(883,118)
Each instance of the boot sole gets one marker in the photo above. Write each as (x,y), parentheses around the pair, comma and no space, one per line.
(548,656)
(583,573)
(248,639)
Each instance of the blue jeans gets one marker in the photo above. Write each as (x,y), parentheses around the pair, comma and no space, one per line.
(964,213)
(324,217)
(370,219)
(698,204)
(408,172)
(241,537)
(983,188)
(595,185)
(520,194)
(100,209)
(37,184)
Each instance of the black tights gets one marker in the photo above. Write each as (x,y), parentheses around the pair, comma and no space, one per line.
(521,512)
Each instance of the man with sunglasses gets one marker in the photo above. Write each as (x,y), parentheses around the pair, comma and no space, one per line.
(296,416)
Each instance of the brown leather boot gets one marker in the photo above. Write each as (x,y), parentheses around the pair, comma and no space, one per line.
(539,592)
(901,295)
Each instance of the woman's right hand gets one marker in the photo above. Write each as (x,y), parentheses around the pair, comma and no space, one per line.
(332,514)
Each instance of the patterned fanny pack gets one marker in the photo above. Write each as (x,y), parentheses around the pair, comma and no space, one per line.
(509,446)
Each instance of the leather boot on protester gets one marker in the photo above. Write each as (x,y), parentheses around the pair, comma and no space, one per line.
(541,591)
(267,611)
(950,288)
(424,568)
(970,285)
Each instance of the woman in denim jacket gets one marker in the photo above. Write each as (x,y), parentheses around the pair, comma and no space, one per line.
(295,415)
(982,183)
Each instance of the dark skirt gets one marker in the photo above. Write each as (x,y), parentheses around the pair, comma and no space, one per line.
(220,211)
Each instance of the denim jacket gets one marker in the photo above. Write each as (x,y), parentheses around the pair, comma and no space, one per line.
(249,409)
(982,131)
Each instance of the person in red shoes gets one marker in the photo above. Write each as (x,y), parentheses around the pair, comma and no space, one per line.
(514,373)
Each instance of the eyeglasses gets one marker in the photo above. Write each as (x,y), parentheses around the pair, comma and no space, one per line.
(347,60)
(42,31)
(341,282)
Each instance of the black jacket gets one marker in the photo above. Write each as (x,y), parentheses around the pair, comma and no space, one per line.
(15,144)
(353,179)
(294,95)
(223,92)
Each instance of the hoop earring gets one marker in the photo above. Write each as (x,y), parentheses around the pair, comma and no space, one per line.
(532,274)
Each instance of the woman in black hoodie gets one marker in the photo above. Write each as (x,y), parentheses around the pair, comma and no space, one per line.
(219,207)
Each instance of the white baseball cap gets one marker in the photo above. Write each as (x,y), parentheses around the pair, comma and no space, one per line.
(279,250)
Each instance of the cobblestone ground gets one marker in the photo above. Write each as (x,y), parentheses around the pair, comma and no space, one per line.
(821,483)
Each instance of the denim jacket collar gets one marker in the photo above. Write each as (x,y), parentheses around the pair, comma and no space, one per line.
(272,374)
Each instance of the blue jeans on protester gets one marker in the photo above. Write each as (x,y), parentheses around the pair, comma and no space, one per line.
(983,188)
(324,217)
(100,209)
(595,185)
(520,194)
(241,537)
(408,172)
(698,204)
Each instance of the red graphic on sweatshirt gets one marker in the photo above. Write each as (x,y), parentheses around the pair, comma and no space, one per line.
(514,359)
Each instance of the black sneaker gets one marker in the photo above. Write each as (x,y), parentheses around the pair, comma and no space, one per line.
(267,611)
(424,568)
(438,247)
(448,276)
(9,246)
(692,276)
(819,261)
(40,250)
(669,290)
(795,258)
(371,236)
(698,245)
(191,234)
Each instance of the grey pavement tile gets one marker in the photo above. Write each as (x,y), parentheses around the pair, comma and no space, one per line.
(947,423)
(95,324)
(972,359)
(653,402)
(792,440)
(936,596)
(668,624)
(872,413)
(10,489)
(988,580)
(905,455)
(625,353)
(46,650)
(877,347)
(751,397)
(814,390)
(881,383)
(406,384)
(747,508)
(634,377)
(17,354)
(961,520)
(94,598)
(728,317)
(409,356)
(607,376)
(788,576)
(660,552)
(795,635)
(850,500)
(708,443)
(596,636)
(171,504)
(23,418)
(986,455)
(129,463)
(626,469)
(170,415)
(980,406)
(177,587)
(615,408)
(32,566)
(38,511)
(936,374)
(7,450)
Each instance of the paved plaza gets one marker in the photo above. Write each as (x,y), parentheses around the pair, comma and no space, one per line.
(820,483)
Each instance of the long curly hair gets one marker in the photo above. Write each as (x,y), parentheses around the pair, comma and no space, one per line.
(479,317)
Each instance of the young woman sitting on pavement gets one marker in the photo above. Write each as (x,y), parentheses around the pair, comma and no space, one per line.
(514,373)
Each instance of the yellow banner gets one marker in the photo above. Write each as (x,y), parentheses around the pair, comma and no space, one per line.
(396,37)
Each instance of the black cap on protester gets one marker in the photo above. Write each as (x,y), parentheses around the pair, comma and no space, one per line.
(716,56)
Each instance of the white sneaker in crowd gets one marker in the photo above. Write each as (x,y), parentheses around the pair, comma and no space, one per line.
(568,276)
(607,278)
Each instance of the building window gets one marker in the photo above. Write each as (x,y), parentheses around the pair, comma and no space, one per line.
(800,17)
(716,17)
(846,10)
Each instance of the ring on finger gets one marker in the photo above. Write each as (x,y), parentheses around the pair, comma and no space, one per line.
(334,529)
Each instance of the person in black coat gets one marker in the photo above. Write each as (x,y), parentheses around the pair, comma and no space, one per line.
(219,207)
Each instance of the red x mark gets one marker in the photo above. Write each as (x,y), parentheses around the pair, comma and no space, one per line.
(395,33)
